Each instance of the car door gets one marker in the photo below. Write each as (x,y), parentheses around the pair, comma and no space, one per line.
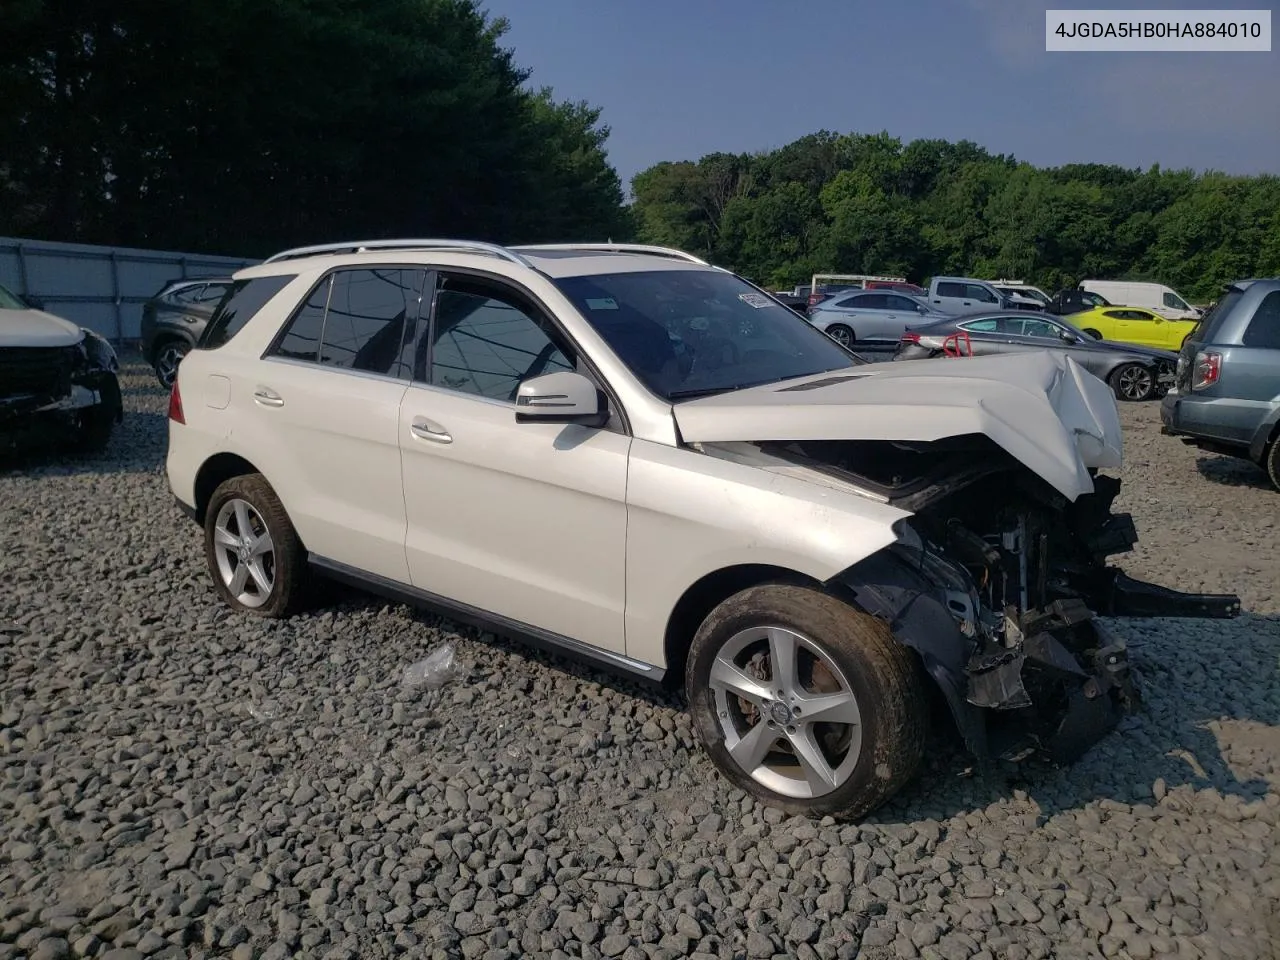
(327,394)
(524,520)
(1143,327)
(897,312)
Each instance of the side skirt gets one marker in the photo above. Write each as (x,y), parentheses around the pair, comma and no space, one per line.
(544,640)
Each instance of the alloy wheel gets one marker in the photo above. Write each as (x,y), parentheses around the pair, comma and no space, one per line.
(787,713)
(840,334)
(167,361)
(245,554)
(1135,382)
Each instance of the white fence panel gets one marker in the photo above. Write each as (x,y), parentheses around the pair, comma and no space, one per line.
(102,288)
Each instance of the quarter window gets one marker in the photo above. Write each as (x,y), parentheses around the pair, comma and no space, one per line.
(1264,328)
(301,340)
(240,304)
(487,339)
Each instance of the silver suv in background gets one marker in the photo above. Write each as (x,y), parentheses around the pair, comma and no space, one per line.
(1226,397)
(869,315)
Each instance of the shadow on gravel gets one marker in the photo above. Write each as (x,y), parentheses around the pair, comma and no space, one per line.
(1209,700)
(132,449)
(1233,472)
(1209,711)
(351,599)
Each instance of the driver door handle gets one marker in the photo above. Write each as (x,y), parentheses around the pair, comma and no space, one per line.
(266,397)
(425,429)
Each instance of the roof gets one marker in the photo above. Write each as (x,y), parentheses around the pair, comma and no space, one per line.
(551,260)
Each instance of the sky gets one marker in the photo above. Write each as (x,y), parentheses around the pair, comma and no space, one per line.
(678,79)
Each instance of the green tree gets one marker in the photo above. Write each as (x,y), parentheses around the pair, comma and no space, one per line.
(243,126)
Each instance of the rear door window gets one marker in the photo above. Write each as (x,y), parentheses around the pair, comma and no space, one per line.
(951,289)
(1264,328)
(359,319)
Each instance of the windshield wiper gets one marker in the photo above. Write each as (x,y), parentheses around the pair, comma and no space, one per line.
(705,391)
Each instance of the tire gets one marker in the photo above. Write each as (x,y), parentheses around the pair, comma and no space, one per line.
(1271,463)
(1093,333)
(1133,382)
(168,355)
(843,648)
(841,334)
(93,432)
(281,566)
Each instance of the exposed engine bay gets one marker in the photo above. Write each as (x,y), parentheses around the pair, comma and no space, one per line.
(997,581)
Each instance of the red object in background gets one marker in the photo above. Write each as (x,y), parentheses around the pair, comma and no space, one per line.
(951,347)
(897,285)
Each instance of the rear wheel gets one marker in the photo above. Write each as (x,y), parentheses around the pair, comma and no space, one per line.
(1133,382)
(1271,463)
(841,334)
(805,702)
(253,552)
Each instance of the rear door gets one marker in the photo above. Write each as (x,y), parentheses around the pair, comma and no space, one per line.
(328,394)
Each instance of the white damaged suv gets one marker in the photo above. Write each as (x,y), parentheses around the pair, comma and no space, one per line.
(626,455)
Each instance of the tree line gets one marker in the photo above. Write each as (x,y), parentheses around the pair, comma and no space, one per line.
(872,204)
(242,126)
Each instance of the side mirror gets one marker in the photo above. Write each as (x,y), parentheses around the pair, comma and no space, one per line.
(562,397)
(35,303)
(922,310)
(1067,336)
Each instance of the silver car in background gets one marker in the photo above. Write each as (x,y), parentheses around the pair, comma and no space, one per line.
(875,316)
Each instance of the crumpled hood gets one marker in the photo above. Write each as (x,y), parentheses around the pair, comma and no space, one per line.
(35,328)
(1043,408)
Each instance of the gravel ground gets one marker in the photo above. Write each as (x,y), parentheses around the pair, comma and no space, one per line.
(178,781)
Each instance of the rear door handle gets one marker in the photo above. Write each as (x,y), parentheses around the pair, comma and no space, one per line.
(425,429)
(267,397)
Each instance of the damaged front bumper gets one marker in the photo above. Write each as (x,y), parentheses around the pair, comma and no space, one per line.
(1090,688)
(1017,649)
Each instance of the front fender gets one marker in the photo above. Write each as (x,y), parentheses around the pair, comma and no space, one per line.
(691,514)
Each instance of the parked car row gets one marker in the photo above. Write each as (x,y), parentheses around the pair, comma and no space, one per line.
(1134,373)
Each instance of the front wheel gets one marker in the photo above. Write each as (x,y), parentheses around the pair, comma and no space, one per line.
(1093,333)
(1133,382)
(1271,463)
(805,702)
(841,334)
(253,552)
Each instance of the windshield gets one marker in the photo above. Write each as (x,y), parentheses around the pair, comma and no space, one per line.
(689,333)
(9,301)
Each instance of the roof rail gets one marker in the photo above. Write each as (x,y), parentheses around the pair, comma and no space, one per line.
(471,246)
(617,248)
